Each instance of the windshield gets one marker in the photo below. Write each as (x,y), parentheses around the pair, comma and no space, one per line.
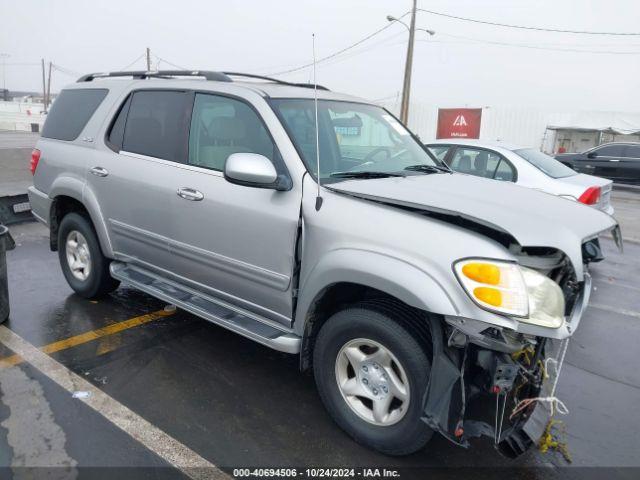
(545,163)
(353,138)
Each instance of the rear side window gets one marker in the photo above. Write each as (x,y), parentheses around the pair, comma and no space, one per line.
(157,124)
(71,111)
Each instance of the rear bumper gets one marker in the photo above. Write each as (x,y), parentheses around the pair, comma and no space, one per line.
(40,204)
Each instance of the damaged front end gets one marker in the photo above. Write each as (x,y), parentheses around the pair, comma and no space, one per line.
(512,374)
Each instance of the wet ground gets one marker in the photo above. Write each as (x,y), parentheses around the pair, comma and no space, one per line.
(235,403)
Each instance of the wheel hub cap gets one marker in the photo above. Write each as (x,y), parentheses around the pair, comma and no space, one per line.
(372,382)
(78,255)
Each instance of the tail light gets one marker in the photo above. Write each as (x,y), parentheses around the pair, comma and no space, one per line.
(35,158)
(591,196)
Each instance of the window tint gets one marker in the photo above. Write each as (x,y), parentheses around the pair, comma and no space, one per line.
(221,126)
(609,151)
(440,151)
(116,135)
(546,164)
(482,163)
(71,111)
(632,151)
(157,125)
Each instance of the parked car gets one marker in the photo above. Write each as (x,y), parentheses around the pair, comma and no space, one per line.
(524,166)
(408,289)
(619,162)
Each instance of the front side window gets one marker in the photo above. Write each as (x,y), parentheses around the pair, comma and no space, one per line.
(71,111)
(546,164)
(353,137)
(440,151)
(157,124)
(222,126)
(608,151)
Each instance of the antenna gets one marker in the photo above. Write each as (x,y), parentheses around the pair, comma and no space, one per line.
(315,104)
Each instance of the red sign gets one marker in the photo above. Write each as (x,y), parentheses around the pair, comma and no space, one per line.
(459,122)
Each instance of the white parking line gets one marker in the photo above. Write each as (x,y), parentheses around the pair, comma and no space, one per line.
(621,311)
(159,442)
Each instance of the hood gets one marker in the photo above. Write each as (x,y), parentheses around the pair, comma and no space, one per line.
(531,217)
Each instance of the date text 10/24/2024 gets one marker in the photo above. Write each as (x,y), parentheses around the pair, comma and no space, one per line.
(316,473)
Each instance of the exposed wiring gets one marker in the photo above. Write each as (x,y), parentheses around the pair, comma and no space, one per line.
(555,404)
(524,27)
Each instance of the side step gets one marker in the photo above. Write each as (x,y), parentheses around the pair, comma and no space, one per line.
(217,311)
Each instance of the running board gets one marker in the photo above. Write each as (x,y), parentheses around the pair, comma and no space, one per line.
(217,311)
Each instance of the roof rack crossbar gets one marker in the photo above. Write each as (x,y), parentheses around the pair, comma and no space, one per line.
(274,80)
(215,76)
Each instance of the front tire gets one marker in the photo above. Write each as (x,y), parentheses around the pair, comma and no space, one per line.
(371,375)
(84,266)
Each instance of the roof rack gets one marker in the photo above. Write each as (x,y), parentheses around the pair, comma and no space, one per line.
(207,75)
(274,80)
(216,76)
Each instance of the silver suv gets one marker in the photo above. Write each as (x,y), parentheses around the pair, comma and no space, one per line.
(409,290)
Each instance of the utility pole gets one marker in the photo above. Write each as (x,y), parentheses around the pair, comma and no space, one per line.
(148,59)
(48,101)
(406,87)
(4,57)
(44,88)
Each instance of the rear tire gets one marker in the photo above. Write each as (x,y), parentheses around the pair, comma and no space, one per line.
(84,266)
(363,350)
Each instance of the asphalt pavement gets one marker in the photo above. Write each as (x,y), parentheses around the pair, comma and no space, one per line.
(234,403)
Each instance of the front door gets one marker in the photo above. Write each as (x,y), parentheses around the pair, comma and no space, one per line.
(233,241)
(606,161)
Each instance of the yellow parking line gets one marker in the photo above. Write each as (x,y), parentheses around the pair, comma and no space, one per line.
(89,336)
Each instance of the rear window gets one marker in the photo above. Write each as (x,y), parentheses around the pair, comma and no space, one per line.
(71,111)
(545,163)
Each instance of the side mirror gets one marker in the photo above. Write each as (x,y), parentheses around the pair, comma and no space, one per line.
(592,154)
(252,170)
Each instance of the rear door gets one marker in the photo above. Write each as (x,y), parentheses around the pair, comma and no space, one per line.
(231,241)
(132,177)
(629,166)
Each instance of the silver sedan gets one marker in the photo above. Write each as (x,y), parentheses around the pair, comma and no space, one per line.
(524,166)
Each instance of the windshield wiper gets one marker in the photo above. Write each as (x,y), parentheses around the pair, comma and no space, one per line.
(365,174)
(428,168)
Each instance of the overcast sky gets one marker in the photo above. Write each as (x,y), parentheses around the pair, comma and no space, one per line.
(456,67)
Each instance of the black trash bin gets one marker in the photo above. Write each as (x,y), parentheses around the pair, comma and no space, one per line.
(6,243)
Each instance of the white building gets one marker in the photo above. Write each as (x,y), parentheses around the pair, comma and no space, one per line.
(545,129)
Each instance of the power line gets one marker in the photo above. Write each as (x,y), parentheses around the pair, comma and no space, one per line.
(539,29)
(160,59)
(335,54)
(124,69)
(536,47)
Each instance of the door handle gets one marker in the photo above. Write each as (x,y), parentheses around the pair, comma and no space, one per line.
(190,194)
(614,160)
(99,172)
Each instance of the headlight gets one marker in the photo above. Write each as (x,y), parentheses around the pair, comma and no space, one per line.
(510,289)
